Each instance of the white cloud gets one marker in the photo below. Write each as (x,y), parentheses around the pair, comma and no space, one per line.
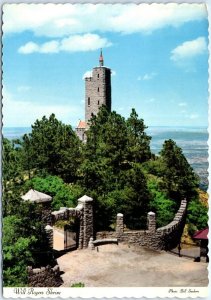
(49,47)
(182,104)
(29,47)
(147,76)
(189,49)
(17,112)
(75,43)
(113,73)
(60,20)
(86,42)
(87,74)
(193,116)
(23,88)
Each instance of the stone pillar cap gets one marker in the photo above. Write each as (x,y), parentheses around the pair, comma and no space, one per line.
(119,215)
(151,213)
(85,198)
(63,208)
(48,227)
(37,197)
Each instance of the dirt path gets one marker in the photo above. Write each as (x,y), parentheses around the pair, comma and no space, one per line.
(58,239)
(118,266)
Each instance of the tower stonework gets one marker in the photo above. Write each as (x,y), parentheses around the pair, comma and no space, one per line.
(97,93)
(97,90)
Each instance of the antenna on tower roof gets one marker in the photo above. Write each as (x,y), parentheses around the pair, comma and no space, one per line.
(101,60)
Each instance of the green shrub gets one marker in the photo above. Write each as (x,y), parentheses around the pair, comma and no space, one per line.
(160,204)
(63,194)
(78,284)
(197,217)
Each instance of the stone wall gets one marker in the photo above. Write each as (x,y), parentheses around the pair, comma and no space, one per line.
(45,209)
(83,211)
(44,277)
(105,235)
(97,91)
(164,238)
(169,235)
(81,133)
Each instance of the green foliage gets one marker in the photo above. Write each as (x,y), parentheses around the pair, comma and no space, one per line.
(78,284)
(160,204)
(111,171)
(154,166)
(11,162)
(24,243)
(138,140)
(115,167)
(12,176)
(63,194)
(52,147)
(179,179)
(197,217)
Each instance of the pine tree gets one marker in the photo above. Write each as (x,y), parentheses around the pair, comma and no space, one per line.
(53,147)
(110,173)
(179,179)
(139,141)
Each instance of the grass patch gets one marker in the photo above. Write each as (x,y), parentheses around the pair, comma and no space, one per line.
(78,284)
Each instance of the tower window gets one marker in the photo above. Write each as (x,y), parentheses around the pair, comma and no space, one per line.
(98,75)
(98,102)
(98,89)
(89,101)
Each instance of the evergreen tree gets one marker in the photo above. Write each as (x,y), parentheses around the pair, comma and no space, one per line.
(110,173)
(139,141)
(53,147)
(13,176)
(179,179)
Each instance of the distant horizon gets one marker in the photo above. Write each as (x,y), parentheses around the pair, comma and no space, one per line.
(173,126)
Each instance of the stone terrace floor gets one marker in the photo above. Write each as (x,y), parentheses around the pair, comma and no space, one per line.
(124,266)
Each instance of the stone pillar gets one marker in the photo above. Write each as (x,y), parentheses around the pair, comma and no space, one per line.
(91,244)
(46,213)
(151,221)
(49,232)
(119,225)
(44,202)
(87,220)
(81,233)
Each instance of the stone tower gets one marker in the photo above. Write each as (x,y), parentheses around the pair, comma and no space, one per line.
(97,89)
(97,93)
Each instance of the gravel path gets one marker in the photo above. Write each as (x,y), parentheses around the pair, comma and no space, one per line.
(124,266)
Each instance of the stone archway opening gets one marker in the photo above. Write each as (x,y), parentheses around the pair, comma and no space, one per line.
(71,234)
(66,234)
(77,226)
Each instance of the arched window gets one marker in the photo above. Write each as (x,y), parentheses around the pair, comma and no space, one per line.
(89,101)
(98,102)
(98,75)
(98,89)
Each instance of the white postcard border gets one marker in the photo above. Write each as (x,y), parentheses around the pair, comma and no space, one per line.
(123,292)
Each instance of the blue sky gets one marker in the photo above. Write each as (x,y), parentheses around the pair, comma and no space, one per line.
(158,55)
